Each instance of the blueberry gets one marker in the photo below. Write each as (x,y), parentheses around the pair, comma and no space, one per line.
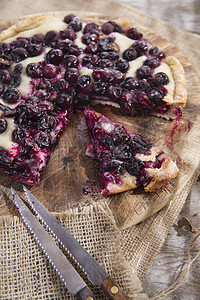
(102,75)
(99,88)
(90,60)
(144,72)
(152,62)
(134,167)
(154,51)
(118,77)
(5,76)
(7,111)
(2,88)
(112,55)
(46,106)
(140,47)
(127,103)
(42,94)
(11,95)
(17,134)
(21,120)
(85,99)
(140,145)
(68,33)
(76,24)
(131,83)
(16,76)
(43,139)
(18,69)
(159,79)
(75,50)
(44,85)
(91,48)
(144,85)
(119,136)
(19,54)
(84,80)
(51,38)
(122,65)
(54,56)
(105,63)
(117,28)
(4,48)
(114,92)
(71,75)
(70,61)
(107,28)
(62,86)
(34,70)
(114,165)
(5,160)
(34,49)
(3,125)
(130,54)
(37,39)
(63,101)
(69,18)
(87,38)
(91,28)
(50,71)
(5,62)
(33,112)
(20,43)
(106,44)
(63,45)
(156,96)
(121,152)
(133,34)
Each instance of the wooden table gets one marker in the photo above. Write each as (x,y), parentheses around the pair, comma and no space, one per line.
(184,14)
(172,257)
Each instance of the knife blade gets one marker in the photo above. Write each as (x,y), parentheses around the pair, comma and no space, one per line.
(70,277)
(95,273)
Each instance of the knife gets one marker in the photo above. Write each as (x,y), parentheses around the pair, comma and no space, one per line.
(70,277)
(95,273)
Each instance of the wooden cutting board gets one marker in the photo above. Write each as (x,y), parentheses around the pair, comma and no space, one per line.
(69,168)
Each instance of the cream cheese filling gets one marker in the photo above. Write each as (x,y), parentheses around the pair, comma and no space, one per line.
(6,140)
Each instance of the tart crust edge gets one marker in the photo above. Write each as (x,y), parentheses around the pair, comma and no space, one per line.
(178,97)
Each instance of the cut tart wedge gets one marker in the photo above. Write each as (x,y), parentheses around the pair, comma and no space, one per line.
(125,159)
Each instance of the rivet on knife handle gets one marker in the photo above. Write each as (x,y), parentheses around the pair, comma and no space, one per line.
(113,290)
(85,294)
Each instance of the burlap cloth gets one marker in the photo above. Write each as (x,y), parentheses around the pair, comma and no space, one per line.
(127,254)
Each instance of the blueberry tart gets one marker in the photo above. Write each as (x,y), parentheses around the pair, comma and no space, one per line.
(52,67)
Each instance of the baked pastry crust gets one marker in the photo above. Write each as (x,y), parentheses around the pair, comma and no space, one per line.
(176,97)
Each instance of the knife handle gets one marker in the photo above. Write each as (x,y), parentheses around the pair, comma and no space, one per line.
(85,294)
(112,290)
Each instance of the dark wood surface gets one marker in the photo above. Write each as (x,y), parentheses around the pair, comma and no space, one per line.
(173,257)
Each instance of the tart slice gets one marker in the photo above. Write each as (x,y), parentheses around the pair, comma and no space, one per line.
(125,159)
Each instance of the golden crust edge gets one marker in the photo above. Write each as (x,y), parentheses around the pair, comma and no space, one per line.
(168,171)
(160,177)
(179,96)
(22,25)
